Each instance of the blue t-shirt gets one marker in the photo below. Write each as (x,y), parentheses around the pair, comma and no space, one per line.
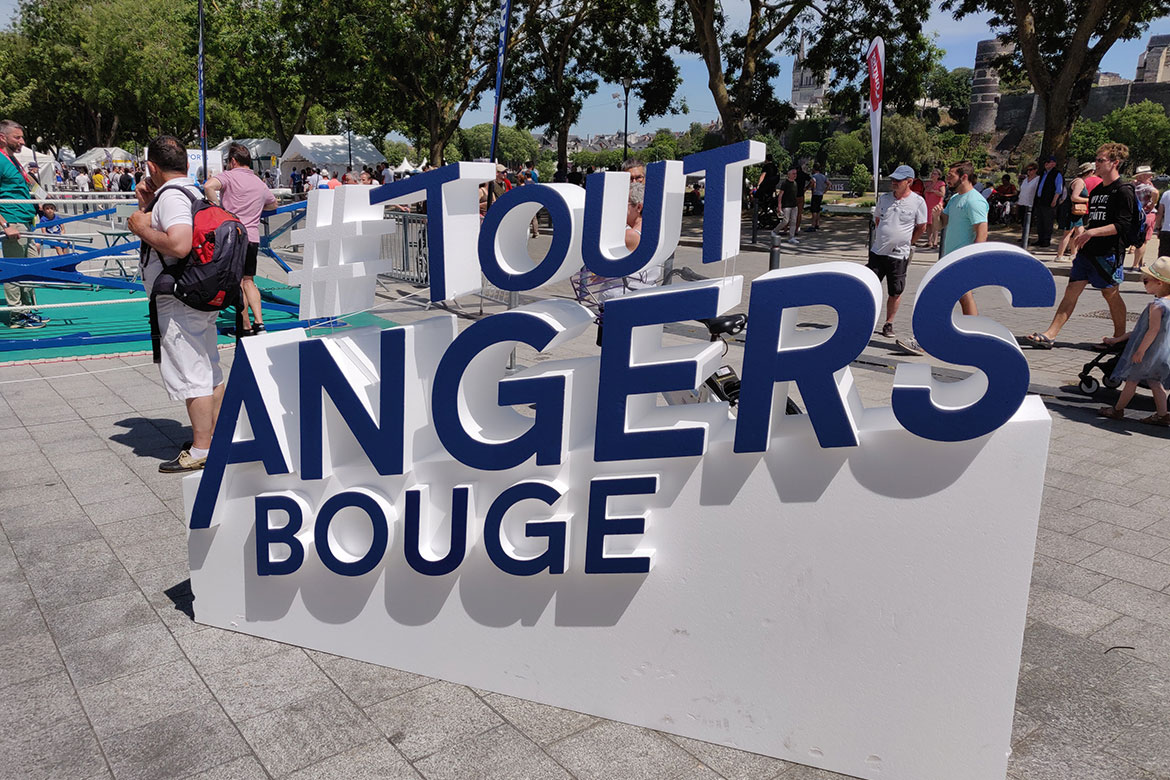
(964,212)
(535,176)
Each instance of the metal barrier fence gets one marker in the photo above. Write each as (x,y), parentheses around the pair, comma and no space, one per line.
(406,248)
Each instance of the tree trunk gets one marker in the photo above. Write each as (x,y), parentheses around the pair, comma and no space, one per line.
(563,146)
(113,131)
(1062,107)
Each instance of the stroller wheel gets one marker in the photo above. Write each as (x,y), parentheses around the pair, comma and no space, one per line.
(1112,383)
(1089,385)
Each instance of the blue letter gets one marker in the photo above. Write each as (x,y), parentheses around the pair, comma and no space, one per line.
(287,534)
(620,380)
(543,438)
(364,564)
(241,391)
(414,556)
(721,204)
(600,526)
(976,341)
(511,244)
(849,289)
(552,559)
(319,372)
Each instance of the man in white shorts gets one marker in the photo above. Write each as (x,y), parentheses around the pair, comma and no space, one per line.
(190,359)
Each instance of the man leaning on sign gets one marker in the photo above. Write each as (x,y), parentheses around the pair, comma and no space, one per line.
(16,219)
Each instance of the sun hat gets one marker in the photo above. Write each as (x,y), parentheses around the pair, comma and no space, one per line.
(1143,169)
(500,168)
(1159,269)
(902,172)
(1086,167)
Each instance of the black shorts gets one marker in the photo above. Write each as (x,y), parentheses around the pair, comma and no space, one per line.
(1163,243)
(816,203)
(892,269)
(250,259)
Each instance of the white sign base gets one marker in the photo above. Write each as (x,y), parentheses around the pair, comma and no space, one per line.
(858,609)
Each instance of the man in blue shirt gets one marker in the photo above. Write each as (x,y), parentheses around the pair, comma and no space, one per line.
(16,219)
(1048,192)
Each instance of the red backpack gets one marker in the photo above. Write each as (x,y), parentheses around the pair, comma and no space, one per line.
(208,278)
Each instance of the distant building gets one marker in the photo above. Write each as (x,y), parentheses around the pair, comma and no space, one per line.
(808,88)
(1107,79)
(1153,66)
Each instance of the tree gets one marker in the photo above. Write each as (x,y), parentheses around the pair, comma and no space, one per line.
(1144,128)
(904,141)
(572,45)
(842,152)
(952,90)
(513,146)
(860,179)
(740,64)
(397,151)
(1060,46)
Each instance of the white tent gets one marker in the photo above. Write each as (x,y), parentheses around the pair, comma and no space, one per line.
(406,166)
(103,157)
(263,150)
(328,151)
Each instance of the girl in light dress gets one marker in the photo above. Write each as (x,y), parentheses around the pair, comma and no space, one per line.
(1147,353)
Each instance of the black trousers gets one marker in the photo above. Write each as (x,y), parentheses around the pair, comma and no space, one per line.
(1043,216)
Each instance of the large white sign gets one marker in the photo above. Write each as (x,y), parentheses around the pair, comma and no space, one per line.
(845,589)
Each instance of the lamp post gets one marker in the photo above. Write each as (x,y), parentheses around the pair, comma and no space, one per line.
(349,137)
(627,82)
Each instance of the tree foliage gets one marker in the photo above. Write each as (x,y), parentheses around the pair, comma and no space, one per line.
(1059,44)
(514,147)
(1143,127)
(842,152)
(952,90)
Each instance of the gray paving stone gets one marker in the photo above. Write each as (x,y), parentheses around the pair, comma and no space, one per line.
(65,438)
(267,684)
(1131,568)
(1023,724)
(161,525)
(138,504)
(1083,660)
(303,733)
(1049,754)
(154,553)
(242,768)
(42,541)
(104,658)
(1134,600)
(39,703)
(66,750)
(60,588)
(1068,613)
(1124,539)
(1072,706)
(19,522)
(135,700)
(47,559)
(1064,521)
(1147,745)
(427,719)
(175,746)
(1149,642)
(34,495)
(500,754)
(1092,488)
(1144,687)
(803,772)
(213,650)
(540,722)
(96,618)
(1063,547)
(612,749)
(1159,527)
(730,763)
(19,614)
(367,683)
(28,657)
(377,760)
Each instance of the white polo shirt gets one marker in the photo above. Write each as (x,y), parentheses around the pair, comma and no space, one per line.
(897,218)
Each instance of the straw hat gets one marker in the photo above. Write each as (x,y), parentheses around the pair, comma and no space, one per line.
(1159,269)
(1087,167)
(1143,169)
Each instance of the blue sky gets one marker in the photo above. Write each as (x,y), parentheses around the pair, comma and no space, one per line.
(602,113)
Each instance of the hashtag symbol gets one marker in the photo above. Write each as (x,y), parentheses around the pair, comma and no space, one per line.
(342,252)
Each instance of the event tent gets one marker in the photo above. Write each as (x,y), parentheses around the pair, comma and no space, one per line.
(103,157)
(406,166)
(263,150)
(328,151)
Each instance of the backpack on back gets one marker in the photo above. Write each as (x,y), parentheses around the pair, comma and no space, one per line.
(1136,234)
(208,278)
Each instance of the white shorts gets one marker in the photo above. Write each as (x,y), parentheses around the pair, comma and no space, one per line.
(190,357)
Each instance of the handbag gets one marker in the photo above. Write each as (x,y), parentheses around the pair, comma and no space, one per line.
(1080,209)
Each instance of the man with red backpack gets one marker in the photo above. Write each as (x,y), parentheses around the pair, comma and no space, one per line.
(189,356)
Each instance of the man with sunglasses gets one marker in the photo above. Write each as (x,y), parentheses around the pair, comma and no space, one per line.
(1100,249)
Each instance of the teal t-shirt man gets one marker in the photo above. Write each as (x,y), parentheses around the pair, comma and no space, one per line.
(14,187)
(964,211)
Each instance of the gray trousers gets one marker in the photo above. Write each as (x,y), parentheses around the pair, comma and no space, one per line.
(17,294)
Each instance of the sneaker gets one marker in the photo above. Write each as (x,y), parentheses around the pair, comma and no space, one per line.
(794,240)
(36,317)
(25,321)
(909,346)
(182,464)
(888,330)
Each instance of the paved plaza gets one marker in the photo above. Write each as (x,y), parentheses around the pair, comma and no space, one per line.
(103,673)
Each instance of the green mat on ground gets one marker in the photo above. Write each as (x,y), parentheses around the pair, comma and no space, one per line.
(96,327)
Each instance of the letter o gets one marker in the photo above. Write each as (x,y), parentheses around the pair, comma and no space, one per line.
(379,513)
(503,237)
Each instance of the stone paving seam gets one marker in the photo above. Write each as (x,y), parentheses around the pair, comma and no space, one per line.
(524,733)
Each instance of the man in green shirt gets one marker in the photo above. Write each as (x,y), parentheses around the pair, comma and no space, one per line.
(15,219)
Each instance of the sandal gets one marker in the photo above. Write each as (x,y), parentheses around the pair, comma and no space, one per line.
(1111,413)
(1162,420)
(1040,341)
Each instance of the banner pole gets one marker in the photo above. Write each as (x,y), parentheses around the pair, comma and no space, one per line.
(202,106)
(501,53)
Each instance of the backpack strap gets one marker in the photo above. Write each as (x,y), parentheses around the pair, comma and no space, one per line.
(155,331)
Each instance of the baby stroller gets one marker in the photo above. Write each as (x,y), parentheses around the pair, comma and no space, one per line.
(1105,361)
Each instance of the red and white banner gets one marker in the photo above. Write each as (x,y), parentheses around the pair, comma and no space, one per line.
(875,60)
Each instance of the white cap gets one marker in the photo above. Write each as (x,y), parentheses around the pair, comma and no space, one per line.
(902,172)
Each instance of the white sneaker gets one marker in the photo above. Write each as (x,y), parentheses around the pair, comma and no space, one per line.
(794,240)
